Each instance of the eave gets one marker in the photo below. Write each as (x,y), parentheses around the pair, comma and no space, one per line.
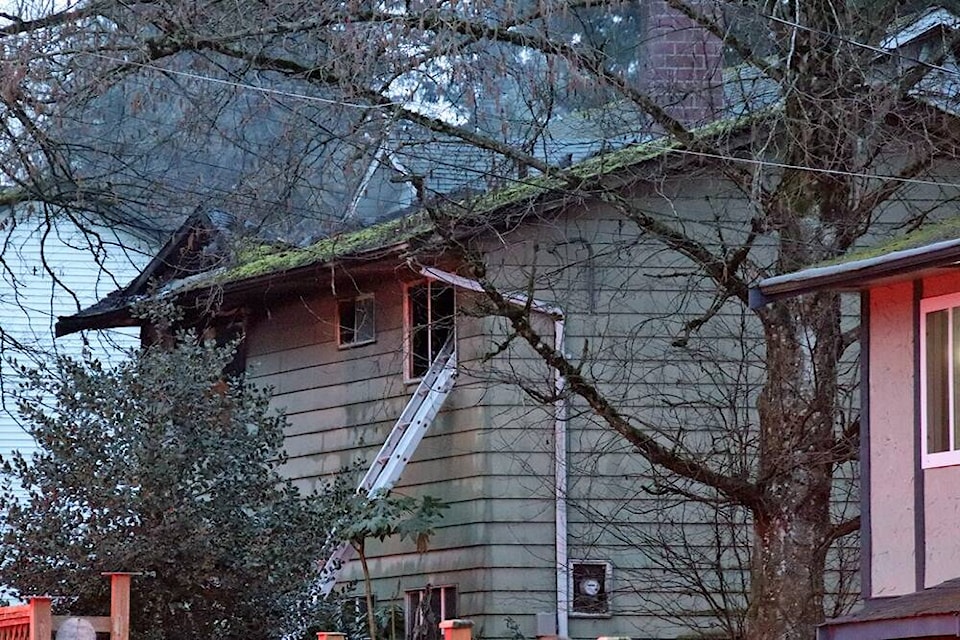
(930,613)
(857,275)
(257,288)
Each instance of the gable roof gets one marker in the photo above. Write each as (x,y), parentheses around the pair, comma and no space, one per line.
(192,249)
(255,265)
(911,256)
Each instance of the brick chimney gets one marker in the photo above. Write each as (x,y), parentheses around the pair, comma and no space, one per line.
(683,63)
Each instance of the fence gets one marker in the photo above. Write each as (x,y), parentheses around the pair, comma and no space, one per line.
(34,620)
(452,630)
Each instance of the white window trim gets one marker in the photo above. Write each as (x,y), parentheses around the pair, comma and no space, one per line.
(373,308)
(408,378)
(942,458)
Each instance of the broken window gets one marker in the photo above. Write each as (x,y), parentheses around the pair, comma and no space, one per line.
(430,323)
(355,325)
(427,608)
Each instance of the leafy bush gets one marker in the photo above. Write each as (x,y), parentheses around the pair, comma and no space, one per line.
(161,465)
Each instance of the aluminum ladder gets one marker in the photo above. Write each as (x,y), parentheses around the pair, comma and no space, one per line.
(407,432)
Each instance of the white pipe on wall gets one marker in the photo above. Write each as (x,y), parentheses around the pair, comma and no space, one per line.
(559,436)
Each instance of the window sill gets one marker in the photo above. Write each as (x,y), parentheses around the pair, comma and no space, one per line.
(354,345)
(938,460)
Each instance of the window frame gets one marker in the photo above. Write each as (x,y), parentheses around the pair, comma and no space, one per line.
(607,589)
(373,321)
(950,457)
(410,608)
(409,375)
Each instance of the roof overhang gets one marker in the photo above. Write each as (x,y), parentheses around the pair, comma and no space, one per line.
(857,275)
(931,626)
(928,613)
(234,293)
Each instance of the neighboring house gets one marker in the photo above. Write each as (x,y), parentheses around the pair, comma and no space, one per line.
(910,449)
(52,267)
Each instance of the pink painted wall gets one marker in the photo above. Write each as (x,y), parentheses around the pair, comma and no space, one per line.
(892,452)
(941,491)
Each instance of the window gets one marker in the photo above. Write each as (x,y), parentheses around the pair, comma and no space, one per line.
(591,588)
(355,324)
(940,380)
(430,313)
(427,608)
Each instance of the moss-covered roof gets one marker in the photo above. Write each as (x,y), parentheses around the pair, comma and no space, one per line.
(904,257)
(948,229)
(255,261)
(259,260)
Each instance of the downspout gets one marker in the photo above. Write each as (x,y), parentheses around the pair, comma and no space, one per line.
(561,415)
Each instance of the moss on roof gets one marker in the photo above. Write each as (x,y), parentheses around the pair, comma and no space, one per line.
(947,229)
(609,162)
(259,260)
(254,261)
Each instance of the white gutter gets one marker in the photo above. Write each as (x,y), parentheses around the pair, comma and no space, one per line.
(560,414)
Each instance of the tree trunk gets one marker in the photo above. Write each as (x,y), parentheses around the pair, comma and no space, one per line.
(787,579)
(797,411)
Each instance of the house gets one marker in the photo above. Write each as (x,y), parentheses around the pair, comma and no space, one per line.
(554,521)
(52,267)
(910,448)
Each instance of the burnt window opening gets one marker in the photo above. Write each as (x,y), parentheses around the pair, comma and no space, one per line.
(355,321)
(426,608)
(224,330)
(431,309)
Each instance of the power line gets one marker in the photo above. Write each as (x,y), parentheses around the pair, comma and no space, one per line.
(718,156)
(240,85)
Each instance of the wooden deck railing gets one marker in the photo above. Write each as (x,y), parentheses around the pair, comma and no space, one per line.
(34,620)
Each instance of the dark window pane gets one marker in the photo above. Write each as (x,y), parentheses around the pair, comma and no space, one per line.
(348,312)
(442,311)
(938,391)
(419,302)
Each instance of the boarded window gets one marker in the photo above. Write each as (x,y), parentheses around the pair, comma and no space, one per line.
(430,323)
(356,321)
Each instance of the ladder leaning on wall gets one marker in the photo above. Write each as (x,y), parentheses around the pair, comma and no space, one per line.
(407,432)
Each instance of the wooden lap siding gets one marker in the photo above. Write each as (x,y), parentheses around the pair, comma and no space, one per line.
(342,403)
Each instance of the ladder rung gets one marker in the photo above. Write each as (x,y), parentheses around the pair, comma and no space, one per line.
(420,411)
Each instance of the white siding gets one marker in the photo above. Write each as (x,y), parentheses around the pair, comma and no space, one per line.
(49,271)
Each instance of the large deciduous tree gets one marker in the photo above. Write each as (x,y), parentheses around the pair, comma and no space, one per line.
(284,113)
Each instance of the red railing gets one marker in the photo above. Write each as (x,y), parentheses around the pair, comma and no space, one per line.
(34,620)
(15,623)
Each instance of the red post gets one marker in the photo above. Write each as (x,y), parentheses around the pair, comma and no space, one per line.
(456,629)
(119,605)
(41,621)
(330,635)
